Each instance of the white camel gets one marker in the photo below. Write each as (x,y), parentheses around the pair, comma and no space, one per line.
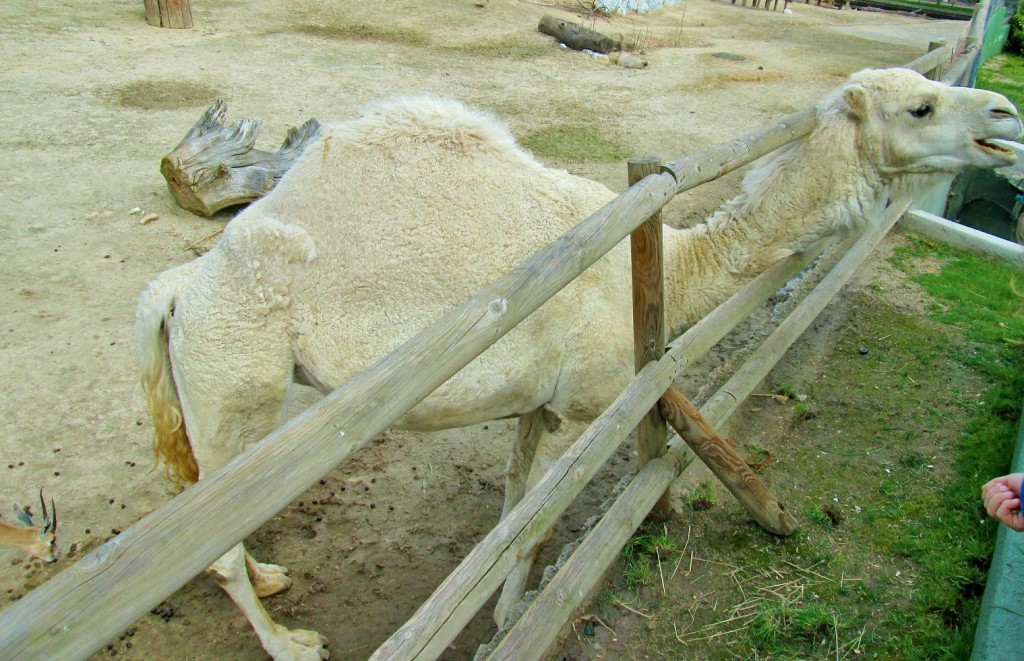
(393,218)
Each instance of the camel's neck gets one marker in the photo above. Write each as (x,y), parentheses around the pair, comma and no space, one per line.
(811,190)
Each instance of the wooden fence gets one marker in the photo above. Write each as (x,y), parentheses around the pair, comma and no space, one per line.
(91,602)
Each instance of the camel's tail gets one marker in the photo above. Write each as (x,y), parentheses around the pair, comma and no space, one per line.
(152,330)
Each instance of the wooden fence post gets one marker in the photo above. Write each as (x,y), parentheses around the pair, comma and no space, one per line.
(169,13)
(935,73)
(645,243)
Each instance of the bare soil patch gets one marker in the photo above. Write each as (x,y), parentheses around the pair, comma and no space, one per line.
(93,98)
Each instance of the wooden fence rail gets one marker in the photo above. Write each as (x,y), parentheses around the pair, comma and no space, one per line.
(92,601)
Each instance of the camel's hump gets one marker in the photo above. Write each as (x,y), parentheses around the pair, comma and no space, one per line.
(429,119)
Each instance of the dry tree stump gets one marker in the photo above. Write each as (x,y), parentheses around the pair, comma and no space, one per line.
(169,13)
(215,166)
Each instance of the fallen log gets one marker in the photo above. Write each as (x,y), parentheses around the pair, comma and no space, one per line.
(576,36)
(215,166)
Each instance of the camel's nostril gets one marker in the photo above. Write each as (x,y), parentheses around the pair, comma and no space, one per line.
(1004,112)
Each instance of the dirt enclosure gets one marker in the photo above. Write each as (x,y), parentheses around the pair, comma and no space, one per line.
(93,98)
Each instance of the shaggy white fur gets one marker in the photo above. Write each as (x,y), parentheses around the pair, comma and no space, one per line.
(392,219)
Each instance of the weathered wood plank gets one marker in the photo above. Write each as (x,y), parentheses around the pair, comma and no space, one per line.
(648,277)
(962,237)
(938,55)
(174,14)
(727,466)
(539,626)
(700,168)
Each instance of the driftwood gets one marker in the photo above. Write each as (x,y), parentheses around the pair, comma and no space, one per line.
(215,166)
(576,36)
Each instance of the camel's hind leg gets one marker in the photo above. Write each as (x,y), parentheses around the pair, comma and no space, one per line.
(232,385)
(541,438)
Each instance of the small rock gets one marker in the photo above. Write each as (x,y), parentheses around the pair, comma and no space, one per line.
(135,211)
(630,61)
(863,351)
(148,218)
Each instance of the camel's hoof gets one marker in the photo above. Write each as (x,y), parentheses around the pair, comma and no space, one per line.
(268,584)
(267,568)
(303,645)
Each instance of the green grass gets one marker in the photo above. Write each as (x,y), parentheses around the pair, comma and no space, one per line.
(576,142)
(358,31)
(902,439)
(507,47)
(1004,74)
(912,5)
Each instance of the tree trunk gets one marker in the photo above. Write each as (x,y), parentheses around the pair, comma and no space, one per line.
(215,166)
(576,36)
(169,13)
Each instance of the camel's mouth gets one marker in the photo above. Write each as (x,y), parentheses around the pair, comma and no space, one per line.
(1001,148)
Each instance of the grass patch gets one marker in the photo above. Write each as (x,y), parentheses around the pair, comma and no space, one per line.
(357,31)
(1004,73)
(508,47)
(164,94)
(576,142)
(891,558)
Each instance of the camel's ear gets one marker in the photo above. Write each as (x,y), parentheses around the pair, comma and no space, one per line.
(857,101)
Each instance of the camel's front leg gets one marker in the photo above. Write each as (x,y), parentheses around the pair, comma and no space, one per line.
(541,438)
(279,642)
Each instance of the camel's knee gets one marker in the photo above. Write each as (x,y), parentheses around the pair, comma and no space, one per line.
(230,567)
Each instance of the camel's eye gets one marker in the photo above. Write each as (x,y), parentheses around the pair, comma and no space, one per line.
(922,111)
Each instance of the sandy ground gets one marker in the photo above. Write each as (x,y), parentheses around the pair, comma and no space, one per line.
(92,98)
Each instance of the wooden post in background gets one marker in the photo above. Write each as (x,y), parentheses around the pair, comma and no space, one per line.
(169,13)
(645,244)
(936,73)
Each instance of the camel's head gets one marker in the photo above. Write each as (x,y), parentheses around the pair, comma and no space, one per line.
(910,124)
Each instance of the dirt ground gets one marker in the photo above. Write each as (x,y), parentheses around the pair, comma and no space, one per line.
(93,98)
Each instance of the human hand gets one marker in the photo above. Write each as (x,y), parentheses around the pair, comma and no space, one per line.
(1002,500)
